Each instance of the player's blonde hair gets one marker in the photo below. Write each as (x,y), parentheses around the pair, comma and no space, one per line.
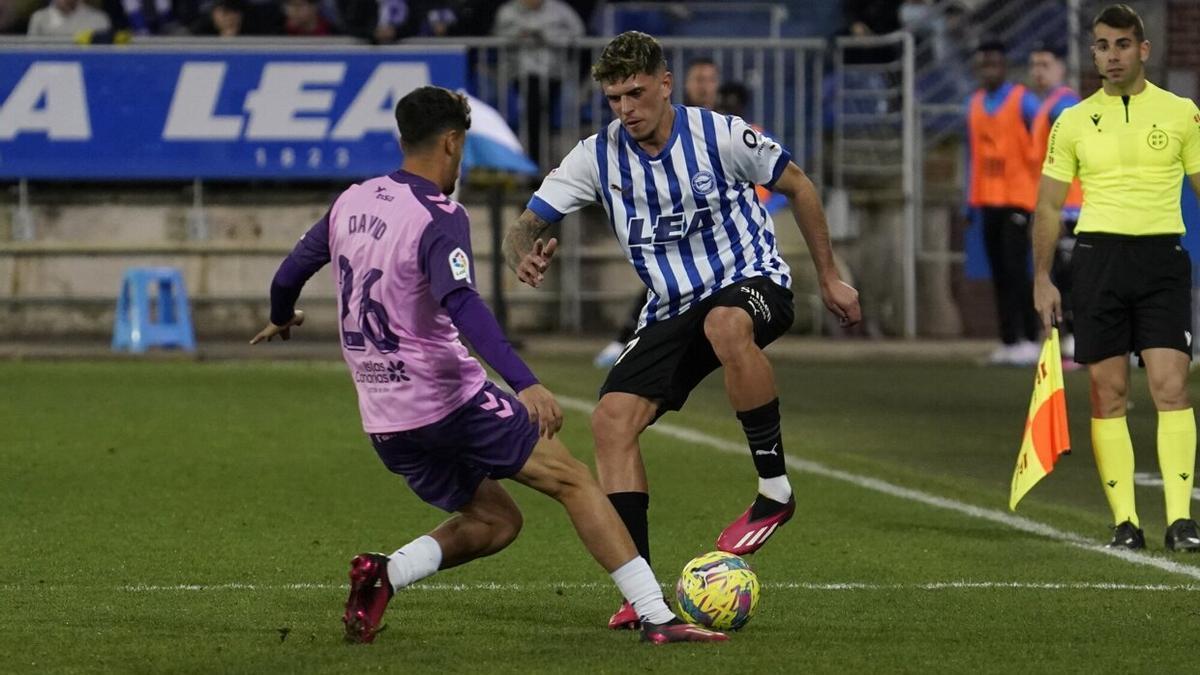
(630,53)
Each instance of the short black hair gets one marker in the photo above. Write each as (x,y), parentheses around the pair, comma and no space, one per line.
(1121,16)
(1049,48)
(425,112)
(700,61)
(992,46)
(736,90)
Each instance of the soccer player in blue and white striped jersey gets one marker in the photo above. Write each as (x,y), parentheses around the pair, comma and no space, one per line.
(677,183)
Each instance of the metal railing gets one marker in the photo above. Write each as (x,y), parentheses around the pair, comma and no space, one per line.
(876,138)
(784,77)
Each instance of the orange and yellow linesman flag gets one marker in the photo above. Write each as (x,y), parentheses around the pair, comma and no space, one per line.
(1046,436)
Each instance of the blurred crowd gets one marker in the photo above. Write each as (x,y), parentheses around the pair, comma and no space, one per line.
(385,21)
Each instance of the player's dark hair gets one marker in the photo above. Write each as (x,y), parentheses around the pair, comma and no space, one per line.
(992,46)
(1047,48)
(701,61)
(630,53)
(737,90)
(426,112)
(1121,16)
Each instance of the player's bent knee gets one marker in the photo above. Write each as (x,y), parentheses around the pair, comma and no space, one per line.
(617,423)
(507,528)
(728,328)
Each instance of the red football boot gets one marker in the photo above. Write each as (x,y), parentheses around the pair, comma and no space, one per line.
(745,536)
(625,618)
(370,592)
(678,631)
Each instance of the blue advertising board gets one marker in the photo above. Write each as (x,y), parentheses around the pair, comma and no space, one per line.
(112,113)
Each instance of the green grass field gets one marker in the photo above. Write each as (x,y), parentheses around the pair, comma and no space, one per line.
(198,517)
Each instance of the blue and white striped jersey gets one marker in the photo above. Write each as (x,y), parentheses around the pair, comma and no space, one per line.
(688,218)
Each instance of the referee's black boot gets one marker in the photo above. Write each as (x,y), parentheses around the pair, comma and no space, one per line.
(1183,535)
(1127,536)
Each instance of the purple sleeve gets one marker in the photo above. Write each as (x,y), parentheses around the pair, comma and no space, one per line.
(310,254)
(476,323)
(444,253)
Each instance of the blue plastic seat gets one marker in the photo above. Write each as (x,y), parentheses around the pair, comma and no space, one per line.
(137,326)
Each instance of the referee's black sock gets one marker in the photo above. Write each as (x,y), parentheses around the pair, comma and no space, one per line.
(633,507)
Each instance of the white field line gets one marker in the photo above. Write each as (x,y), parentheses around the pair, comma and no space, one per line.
(993,515)
(1155,480)
(606,587)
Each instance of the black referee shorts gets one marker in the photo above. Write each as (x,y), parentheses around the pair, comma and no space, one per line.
(667,359)
(1130,294)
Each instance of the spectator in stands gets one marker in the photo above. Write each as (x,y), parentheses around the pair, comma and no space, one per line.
(14,15)
(68,18)
(871,17)
(1002,185)
(226,18)
(700,83)
(865,18)
(385,21)
(733,98)
(303,18)
(537,26)
(1047,74)
(151,17)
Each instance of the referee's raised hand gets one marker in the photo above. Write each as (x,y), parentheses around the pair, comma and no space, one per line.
(533,266)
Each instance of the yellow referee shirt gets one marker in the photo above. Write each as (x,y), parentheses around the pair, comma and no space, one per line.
(1130,154)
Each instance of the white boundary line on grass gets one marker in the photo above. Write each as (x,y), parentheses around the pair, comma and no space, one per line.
(1155,480)
(607,587)
(993,515)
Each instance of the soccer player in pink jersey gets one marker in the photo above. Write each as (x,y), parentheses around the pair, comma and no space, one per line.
(403,265)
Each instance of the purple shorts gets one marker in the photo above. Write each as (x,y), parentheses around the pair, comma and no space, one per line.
(490,436)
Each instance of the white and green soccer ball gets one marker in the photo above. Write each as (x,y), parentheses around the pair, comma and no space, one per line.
(717,590)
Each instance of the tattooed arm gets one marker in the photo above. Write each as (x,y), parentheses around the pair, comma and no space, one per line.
(524,250)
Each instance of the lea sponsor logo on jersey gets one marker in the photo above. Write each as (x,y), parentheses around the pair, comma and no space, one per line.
(668,227)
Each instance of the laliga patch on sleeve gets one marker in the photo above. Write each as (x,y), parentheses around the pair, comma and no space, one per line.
(460,266)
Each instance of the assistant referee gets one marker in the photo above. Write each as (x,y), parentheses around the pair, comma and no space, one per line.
(1130,145)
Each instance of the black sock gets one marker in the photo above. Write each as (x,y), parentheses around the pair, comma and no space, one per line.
(766,442)
(632,508)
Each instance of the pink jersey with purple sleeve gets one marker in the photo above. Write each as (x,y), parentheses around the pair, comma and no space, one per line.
(398,246)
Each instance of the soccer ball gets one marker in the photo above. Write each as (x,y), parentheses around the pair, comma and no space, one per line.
(717,590)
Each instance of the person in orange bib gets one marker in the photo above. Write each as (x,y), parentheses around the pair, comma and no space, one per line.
(1002,185)
(1047,72)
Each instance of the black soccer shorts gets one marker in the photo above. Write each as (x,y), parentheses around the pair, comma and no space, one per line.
(1130,294)
(667,359)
